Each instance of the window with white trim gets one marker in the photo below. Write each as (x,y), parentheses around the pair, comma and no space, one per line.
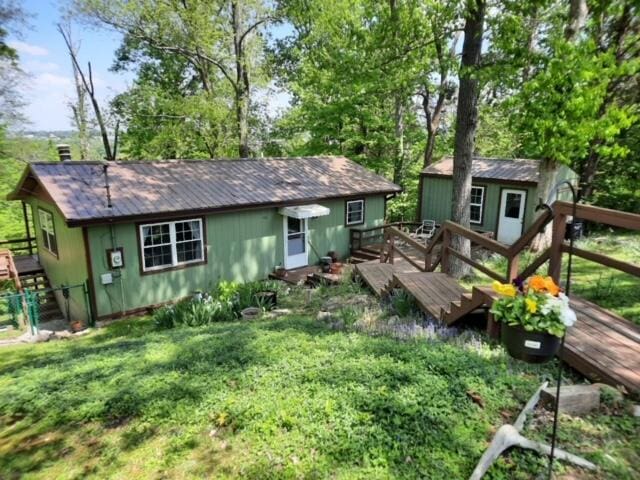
(171,244)
(477,203)
(49,241)
(355,212)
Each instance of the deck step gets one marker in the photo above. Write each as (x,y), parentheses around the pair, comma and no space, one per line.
(433,291)
(368,254)
(357,260)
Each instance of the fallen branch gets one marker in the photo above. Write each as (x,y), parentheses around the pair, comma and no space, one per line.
(509,436)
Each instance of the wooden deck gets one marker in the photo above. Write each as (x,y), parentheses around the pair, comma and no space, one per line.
(604,346)
(27,265)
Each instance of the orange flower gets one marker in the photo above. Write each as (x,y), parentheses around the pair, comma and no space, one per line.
(551,287)
(542,284)
(537,283)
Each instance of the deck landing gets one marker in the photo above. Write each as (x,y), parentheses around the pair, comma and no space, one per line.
(604,346)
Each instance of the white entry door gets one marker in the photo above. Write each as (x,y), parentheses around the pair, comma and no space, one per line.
(511,215)
(296,252)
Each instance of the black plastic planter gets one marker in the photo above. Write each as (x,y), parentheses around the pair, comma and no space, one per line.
(530,347)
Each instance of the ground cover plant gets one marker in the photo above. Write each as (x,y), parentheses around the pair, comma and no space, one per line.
(286,397)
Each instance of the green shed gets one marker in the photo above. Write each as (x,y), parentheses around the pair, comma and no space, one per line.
(147,233)
(504,194)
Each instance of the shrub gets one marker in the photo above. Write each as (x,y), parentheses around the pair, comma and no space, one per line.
(402,303)
(224,304)
(163,318)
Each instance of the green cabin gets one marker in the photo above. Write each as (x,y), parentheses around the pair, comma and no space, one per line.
(504,194)
(141,234)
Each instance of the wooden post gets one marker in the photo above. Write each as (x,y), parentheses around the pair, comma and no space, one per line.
(512,268)
(27,228)
(391,247)
(384,250)
(444,256)
(557,240)
(493,327)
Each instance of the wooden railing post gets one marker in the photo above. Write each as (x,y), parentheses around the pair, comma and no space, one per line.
(557,239)
(512,268)
(27,228)
(444,257)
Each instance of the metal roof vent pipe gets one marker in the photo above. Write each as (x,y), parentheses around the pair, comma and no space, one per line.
(64,152)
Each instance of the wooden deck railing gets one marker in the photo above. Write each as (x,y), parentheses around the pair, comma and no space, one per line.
(7,265)
(361,237)
(559,213)
(20,246)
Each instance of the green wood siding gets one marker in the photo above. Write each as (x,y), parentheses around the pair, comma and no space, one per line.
(70,267)
(242,246)
(436,202)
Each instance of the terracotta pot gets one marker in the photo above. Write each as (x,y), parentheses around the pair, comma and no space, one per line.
(77,326)
(530,347)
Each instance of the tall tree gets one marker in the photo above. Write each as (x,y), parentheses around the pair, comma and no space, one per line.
(89,88)
(78,106)
(466,125)
(219,38)
(12,18)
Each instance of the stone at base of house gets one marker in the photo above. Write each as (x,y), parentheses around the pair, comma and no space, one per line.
(636,410)
(574,399)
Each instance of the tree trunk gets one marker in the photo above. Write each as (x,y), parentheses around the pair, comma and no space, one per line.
(578,12)
(466,124)
(547,178)
(589,171)
(242,87)
(433,122)
(398,163)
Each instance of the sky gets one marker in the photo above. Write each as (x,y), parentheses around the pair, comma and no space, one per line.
(43,56)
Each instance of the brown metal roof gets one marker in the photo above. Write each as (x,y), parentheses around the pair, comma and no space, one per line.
(141,189)
(514,170)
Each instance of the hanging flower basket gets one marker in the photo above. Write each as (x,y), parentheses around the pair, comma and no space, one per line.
(530,347)
(535,316)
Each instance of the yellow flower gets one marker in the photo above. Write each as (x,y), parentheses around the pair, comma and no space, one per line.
(532,305)
(505,289)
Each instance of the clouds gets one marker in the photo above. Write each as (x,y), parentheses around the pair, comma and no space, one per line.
(24,48)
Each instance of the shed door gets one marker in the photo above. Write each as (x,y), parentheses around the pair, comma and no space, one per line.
(511,215)
(295,242)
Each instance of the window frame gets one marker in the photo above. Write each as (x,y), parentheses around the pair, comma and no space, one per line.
(175,264)
(481,204)
(346,212)
(46,243)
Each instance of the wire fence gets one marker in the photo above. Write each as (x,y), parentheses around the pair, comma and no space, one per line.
(56,307)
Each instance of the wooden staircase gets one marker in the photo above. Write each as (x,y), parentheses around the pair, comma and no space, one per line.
(38,283)
(365,254)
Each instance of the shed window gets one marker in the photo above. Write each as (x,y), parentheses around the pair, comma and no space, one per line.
(49,241)
(477,204)
(355,212)
(170,244)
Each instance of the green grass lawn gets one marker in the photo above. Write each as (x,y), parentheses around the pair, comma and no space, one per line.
(609,288)
(281,398)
